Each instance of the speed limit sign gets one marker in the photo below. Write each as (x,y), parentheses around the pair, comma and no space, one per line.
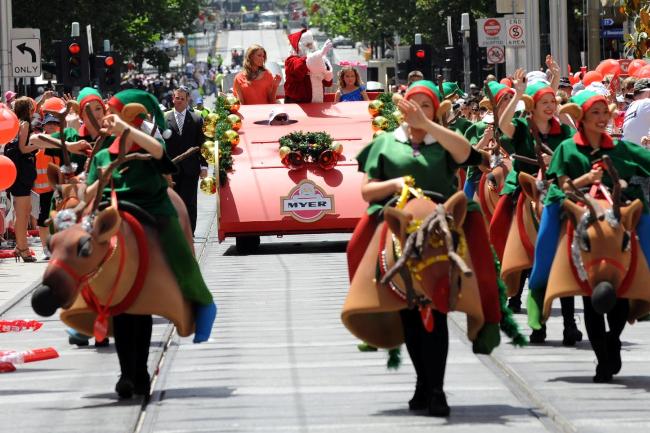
(496,54)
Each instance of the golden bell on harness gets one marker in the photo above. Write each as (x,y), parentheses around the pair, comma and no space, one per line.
(208,185)
(210,125)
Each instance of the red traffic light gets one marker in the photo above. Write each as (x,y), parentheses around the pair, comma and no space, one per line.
(74,48)
(420,54)
(109,61)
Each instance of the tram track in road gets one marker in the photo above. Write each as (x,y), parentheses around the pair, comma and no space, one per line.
(552,419)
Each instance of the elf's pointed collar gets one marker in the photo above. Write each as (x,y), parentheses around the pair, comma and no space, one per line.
(401,135)
(580,139)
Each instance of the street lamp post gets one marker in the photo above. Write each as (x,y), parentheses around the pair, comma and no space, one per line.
(465,30)
(6,24)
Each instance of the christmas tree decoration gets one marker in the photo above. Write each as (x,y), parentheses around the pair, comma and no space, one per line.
(375,106)
(208,185)
(231,137)
(235,121)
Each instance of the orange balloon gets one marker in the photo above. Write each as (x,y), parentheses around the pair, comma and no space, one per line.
(8,125)
(53,104)
(592,77)
(634,66)
(609,66)
(7,172)
(644,72)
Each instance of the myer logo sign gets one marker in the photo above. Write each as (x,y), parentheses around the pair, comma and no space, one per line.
(307,202)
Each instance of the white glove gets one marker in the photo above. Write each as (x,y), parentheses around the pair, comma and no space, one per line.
(327,47)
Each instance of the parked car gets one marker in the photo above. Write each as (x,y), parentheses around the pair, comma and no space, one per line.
(342,41)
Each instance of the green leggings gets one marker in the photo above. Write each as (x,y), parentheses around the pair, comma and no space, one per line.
(182,262)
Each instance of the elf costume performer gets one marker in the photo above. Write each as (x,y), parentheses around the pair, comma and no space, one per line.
(578,158)
(540,102)
(481,133)
(431,154)
(455,122)
(307,69)
(141,182)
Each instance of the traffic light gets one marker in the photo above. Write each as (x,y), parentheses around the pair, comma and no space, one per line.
(74,62)
(107,71)
(421,60)
(403,69)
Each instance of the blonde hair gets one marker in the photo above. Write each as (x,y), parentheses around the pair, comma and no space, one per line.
(248,61)
(357,79)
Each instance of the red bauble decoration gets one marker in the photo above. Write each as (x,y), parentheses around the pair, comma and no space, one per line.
(294,160)
(8,125)
(328,159)
(7,172)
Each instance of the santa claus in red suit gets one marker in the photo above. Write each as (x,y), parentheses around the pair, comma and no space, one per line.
(307,69)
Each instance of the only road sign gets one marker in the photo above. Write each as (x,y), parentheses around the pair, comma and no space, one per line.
(26,57)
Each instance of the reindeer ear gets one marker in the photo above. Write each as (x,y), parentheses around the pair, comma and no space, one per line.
(443,109)
(456,205)
(631,214)
(54,175)
(131,111)
(574,210)
(572,110)
(528,102)
(528,185)
(397,221)
(106,224)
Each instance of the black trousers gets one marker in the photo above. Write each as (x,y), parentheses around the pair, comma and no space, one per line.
(132,335)
(428,350)
(605,344)
(186,187)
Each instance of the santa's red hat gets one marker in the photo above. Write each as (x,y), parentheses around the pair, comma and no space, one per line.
(294,39)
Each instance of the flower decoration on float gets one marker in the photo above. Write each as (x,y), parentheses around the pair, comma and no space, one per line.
(298,149)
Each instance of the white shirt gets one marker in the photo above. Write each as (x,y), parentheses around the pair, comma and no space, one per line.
(637,121)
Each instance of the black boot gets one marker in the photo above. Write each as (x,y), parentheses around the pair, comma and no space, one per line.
(514,304)
(124,387)
(571,334)
(538,336)
(420,400)
(613,344)
(603,369)
(438,404)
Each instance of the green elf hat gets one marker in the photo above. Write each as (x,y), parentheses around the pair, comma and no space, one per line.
(582,102)
(451,89)
(86,95)
(535,92)
(498,91)
(133,105)
(430,89)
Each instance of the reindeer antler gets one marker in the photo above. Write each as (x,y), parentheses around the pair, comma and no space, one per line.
(61,115)
(97,146)
(495,113)
(616,183)
(524,159)
(105,174)
(580,197)
(185,155)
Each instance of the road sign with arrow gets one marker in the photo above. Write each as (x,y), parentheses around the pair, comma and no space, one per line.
(26,57)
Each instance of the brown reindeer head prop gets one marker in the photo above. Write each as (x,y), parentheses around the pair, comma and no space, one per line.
(423,263)
(599,254)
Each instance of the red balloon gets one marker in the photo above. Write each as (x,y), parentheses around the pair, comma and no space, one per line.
(644,72)
(609,66)
(634,66)
(53,104)
(592,77)
(7,172)
(8,125)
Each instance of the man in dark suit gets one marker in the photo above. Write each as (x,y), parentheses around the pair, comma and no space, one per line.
(187,132)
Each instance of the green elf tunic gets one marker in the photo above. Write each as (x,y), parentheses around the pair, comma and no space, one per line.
(460,125)
(474,134)
(391,155)
(575,157)
(523,144)
(140,182)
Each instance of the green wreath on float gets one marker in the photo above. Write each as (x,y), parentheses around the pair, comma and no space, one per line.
(297,149)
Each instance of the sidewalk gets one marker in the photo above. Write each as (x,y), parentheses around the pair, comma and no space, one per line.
(17,278)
